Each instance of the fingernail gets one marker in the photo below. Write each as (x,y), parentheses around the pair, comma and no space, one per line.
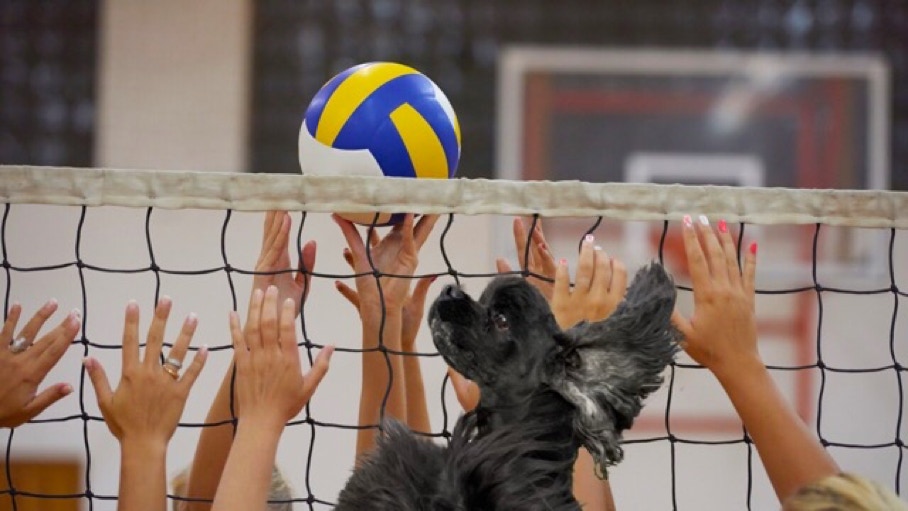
(562,262)
(257,294)
(597,247)
(73,319)
(132,305)
(687,221)
(753,248)
(192,319)
(704,221)
(203,351)
(88,363)
(49,306)
(433,278)
(589,238)
(723,226)
(289,302)
(66,390)
(165,301)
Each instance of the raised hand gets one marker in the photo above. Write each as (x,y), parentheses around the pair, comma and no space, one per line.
(413,308)
(537,260)
(270,385)
(467,391)
(599,285)
(396,256)
(150,397)
(722,332)
(275,257)
(24,363)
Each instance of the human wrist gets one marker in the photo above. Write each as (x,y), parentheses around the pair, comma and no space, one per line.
(143,446)
(265,422)
(741,368)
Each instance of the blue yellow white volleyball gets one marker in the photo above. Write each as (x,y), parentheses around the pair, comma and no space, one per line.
(380,119)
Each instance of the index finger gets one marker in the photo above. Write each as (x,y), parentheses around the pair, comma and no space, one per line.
(354,241)
(423,228)
(696,261)
(31,329)
(520,243)
(52,346)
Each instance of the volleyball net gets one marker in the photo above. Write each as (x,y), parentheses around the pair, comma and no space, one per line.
(832,281)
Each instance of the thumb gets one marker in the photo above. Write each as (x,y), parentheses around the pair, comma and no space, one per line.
(465,390)
(683,325)
(318,371)
(349,293)
(98,380)
(420,290)
(46,398)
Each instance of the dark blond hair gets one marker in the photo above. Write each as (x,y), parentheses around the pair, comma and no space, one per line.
(844,492)
(279,490)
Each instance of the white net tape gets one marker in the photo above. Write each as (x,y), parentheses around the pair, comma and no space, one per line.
(619,201)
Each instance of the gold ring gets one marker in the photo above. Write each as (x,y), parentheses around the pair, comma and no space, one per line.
(172,371)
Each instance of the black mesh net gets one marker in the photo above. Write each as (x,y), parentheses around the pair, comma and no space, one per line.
(318,456)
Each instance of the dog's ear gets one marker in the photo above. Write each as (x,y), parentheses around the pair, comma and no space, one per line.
(606,369)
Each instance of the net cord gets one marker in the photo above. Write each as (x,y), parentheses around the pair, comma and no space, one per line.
(360,194)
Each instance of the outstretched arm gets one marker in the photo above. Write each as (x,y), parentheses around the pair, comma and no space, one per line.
(411,316)
(382,316)
(215,441)
(722,336)
(414,308)
(271,389)
(599,285)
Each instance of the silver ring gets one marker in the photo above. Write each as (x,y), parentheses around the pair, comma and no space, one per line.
(176,364)
(19,345)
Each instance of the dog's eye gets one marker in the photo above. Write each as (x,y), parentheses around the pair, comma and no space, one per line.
(501,321)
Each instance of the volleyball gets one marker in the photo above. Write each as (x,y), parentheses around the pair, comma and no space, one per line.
(380,119)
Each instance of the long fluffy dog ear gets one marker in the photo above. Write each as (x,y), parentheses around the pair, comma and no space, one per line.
(608,368)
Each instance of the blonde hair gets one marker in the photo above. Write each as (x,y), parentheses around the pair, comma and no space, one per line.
(844,492)
(279,490)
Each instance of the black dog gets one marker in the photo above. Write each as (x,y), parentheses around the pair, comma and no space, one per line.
(545,393)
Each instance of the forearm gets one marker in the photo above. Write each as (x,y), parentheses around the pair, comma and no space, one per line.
(592,493)
(376,378)
(790,452)
(417,412)
(246,479)
(212,450)
(143,485)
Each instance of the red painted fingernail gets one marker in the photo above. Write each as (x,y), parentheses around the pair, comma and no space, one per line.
(562,262)
(687,221)
(723,226)
(434,278)
(753,248)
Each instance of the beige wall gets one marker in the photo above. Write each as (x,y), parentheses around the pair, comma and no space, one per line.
(173,84)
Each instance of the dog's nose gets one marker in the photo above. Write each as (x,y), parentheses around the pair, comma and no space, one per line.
(452,291)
